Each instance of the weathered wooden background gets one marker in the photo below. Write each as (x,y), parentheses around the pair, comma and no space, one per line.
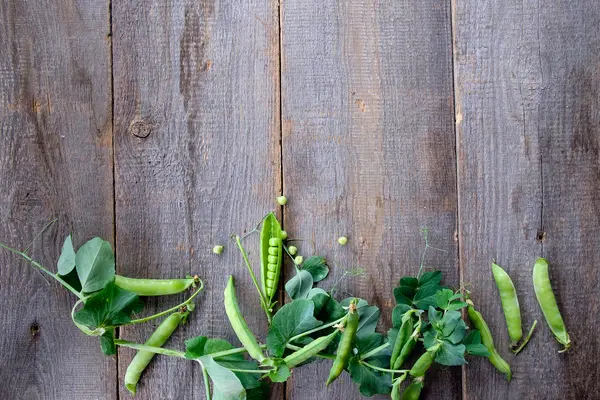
(165,126)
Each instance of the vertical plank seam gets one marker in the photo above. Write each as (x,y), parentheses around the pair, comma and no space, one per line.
(456,106)
(114,186)
(281,182)
(540,139)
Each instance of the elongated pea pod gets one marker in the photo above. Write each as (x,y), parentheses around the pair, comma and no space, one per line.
(413,391)
(143,358)
(310,350)
(510,303)
(271,253)
(545,296)
(344,351)
(423,363)
(407,349)
(239,325)
(404,335)
(487,340)
(154,287)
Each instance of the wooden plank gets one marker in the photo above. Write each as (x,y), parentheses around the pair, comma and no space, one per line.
(526,89)
(368,151)
(197,158)
(55,161)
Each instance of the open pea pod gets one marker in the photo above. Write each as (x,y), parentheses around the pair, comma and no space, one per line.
(271,255)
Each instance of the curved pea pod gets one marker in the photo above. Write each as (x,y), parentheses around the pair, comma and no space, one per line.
(423,363)
(239,325)
(153,287)
(413,391)
(404,335)
(310,350)
(510,303)
(344,351)
(271,255)
(487,340)
(407,349)
(143,358)
(547,301)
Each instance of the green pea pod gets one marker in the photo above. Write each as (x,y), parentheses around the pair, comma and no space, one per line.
(153,287)
(423,363)
(271,253)
(413,391)
(404,335)
(547,301)
(406,352)
(239,325)
(344,351)
(310,350)
(487,340)
(510,303)
(143,358)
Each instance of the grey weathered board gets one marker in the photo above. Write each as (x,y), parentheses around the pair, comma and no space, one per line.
(55,162)
(527,97)
(476,119)
(197,158)
(368,152)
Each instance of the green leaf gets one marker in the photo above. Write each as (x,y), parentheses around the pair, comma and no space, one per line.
(430,338)
(457,305)
(431,278)
(259,393)
(409,281)
(449,322)
(112,306)
(95,264)
(331,311)
(434,315)
(368,318)
(107,342)
(443,298)
(473,344)
(280,372)
(66,261)
(404,294)
(291,320)
(451,354)
(194,347)
(317,266)
(397,314)
(426,296)
(459,333)
(319,297)
(300,285)
(226,385)
(72,279)
(370,382)
(367,343)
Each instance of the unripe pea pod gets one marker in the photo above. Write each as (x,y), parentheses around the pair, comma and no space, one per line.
(143,358)
(413,391)
(344,351)
(487,340)
(271,253)
(423,363)
(406,351)
(510,303)
(239,325)
(153,287)
(404,334)
(310,350)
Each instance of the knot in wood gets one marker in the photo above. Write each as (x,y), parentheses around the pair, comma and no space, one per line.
(140,129)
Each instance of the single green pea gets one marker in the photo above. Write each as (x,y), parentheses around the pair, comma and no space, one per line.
(273,251)
(218,249)
(343,240)
(298,260)
(272,259)
(281,200)
(293,250)
(274,242)
(284,235)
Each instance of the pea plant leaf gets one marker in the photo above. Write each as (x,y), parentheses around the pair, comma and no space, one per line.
(319,297)
(331,311)
(290,320)
(431,278)
(370,382)
(367,343)
(280,371)
(66,261)
(317,266)
(451,354)
(397,314)
(226,385)
(112,306)
(369,317)
(300,285)
(474,346)
(107,342)
(95,264)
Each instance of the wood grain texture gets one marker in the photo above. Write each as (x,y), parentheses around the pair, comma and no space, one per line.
(529,176)
(368,152)
(197,158)
(55,161)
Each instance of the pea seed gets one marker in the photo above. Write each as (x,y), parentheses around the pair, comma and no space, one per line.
(272,267)
(283,235)
(298,260)
(272,259)
(273,251)
(293,250)
(281,200)
(274,242)
(343,240)
(271,275)
(218,249)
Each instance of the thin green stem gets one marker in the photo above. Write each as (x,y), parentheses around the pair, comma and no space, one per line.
(206,381)
(296,348)
(251,371)
(151,349)
(170,310)
(393,371)
(375,351)
(524,342)
(425,236)
(48,225)
(337,321)
(263,301)
(44,270)
(230,352)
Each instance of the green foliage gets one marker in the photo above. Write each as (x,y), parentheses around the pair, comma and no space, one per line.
(95,264)
(292,319)
(317,266)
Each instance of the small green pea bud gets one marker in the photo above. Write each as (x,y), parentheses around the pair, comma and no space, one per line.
(282,200)
(218,249)
(283,235)
(298,260)
(343,240)
(293,250)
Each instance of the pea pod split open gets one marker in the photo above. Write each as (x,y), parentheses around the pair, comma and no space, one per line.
(271,253)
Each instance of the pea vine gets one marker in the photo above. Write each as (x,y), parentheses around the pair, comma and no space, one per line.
(427,324)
